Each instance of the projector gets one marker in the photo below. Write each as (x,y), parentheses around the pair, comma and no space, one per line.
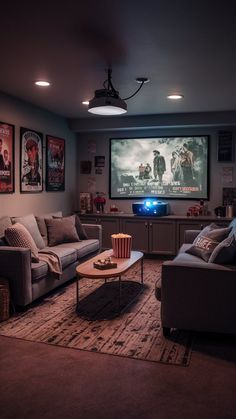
(151,207)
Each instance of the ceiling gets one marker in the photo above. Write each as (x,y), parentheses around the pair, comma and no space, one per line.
(182,46)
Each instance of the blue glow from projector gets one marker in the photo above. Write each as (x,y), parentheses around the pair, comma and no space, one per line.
(150,203)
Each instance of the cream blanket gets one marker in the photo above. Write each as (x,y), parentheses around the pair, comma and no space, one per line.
(52,260)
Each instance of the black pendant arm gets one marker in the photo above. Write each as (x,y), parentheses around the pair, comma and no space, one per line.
(129,97)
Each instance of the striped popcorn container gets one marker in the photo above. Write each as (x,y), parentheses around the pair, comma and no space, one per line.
(121,245)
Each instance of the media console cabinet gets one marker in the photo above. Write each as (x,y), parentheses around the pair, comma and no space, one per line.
(154,235)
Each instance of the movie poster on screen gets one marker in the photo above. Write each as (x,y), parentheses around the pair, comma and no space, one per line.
(6,158)
(55,164)
(31,160)
(159,167)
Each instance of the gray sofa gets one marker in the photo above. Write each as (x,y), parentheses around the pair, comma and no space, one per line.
(197,295)
(29,281)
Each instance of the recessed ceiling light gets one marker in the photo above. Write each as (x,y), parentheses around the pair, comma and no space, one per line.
(85,102)
(42,83)
(142,80)
(175,97)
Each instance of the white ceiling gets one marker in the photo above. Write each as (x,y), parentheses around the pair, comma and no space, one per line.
(182,46)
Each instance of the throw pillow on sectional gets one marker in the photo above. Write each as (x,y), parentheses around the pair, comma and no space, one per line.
(207,240)
(225,252)
(18,236)
(30,223)
(61,230)
(79,227)
(40,219)
(5,222)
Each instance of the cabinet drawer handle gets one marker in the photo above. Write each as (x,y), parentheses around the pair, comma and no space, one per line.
(150,224)
(146,224)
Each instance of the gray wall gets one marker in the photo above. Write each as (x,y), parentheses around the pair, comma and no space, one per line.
(22,114)
(178,207)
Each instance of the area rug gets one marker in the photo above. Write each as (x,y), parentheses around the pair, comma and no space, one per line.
(135,332)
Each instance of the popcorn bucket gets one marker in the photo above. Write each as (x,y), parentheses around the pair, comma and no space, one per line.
(121,245)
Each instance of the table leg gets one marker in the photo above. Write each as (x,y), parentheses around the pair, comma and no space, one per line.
(119,291)
(77,292)
(142,271)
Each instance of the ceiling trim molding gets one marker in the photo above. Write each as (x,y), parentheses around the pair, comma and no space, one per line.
(180,120)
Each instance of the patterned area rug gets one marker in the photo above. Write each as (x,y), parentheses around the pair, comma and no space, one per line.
(136,332)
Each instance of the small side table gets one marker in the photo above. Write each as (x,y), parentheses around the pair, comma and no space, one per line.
(4,299)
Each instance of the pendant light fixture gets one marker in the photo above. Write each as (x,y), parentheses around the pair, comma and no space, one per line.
(107,101)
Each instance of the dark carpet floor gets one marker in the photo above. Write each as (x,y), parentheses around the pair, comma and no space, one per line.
(44,381)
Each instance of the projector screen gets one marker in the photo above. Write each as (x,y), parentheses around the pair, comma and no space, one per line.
(161,167)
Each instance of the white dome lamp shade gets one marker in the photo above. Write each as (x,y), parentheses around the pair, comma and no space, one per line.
(107,101)
(105,104)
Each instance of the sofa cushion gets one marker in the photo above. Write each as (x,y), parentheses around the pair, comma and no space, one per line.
(30,223)
(184,257)
(79,227)
(67,255)
(40,219)
(84,247)
(61,230)
(18,236)
(39,270)
(207,240)
(5,222)
(225,252)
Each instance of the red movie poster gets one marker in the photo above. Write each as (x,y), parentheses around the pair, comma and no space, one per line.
(55,166)
(6,158)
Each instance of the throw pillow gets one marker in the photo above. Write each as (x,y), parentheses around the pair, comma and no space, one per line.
(225,252)
(42,225)
(5,222)
(233,223)
(30,224)
(18,236)
(207,240)
(61,230)
(79,227)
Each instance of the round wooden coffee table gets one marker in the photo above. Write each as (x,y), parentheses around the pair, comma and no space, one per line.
(87,270)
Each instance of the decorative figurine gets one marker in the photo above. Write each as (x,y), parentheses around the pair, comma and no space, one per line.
(99,202)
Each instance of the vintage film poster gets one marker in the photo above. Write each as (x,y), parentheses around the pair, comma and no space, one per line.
(86,202)
(7,132)
(31,160)
(55,164)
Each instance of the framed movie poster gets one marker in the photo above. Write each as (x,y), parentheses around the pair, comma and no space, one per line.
(31,160)
(7,183)
(55,164)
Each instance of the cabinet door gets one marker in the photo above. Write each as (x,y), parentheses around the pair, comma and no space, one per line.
(88,219)
(109,226)
(138,229)
(162,237)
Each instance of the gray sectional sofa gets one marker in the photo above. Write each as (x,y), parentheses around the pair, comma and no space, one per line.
(197,294)
(29,280)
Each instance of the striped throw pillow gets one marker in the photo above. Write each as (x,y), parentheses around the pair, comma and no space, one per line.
(18,236)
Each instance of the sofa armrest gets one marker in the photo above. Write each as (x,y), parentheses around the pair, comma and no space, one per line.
(94,231)
(198,296)
(190,235)
(15,265)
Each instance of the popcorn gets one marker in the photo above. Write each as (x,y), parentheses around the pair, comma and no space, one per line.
(120,236)
(121,245)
